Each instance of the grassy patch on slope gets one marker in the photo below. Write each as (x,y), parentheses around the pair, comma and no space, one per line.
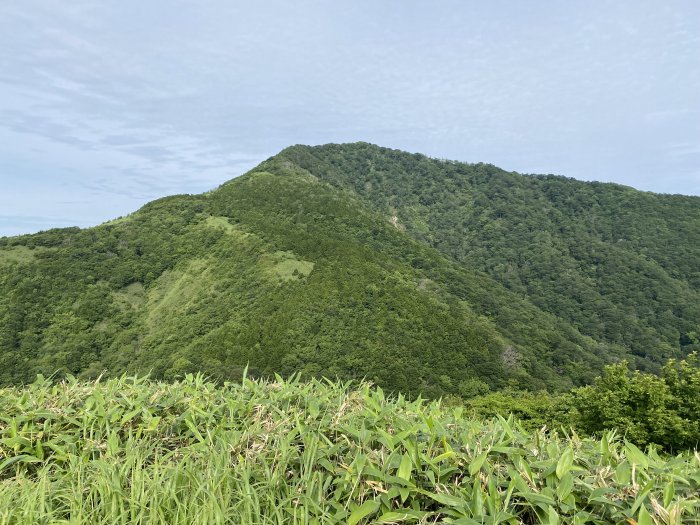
(285,266)
(17,254)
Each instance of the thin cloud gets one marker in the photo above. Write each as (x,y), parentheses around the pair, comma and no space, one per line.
(141,99)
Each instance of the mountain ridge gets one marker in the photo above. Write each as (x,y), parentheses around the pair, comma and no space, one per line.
(681,231)
(297,267)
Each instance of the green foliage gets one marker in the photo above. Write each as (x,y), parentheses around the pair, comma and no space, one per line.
(617,264)
(17,254)
(425,277)
(286,267)
(273,452)
(646,408)
(534,410)
(282,273)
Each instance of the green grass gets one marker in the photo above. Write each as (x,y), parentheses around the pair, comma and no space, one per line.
(131,296)
(222,223)
(285,266)
(18,254)
(137,451)
(176,289)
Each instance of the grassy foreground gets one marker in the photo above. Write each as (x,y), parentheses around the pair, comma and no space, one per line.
(138,451)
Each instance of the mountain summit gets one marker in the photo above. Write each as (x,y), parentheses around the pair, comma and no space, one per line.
(424,276)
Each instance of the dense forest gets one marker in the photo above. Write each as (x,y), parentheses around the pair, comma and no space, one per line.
(354,261)
(620,265)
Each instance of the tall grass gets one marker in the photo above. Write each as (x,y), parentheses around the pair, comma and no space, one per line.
(137,451)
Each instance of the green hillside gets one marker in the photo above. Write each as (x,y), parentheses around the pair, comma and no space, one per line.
(620,265)
(356,261)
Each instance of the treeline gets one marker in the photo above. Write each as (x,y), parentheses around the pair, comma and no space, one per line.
(283,273)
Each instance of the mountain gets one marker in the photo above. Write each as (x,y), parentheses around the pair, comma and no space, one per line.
(424,276)
(620,265)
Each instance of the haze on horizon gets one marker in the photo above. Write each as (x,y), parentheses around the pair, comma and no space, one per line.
(105,106)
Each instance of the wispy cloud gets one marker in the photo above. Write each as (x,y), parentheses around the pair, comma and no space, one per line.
(682,150)
(136,100)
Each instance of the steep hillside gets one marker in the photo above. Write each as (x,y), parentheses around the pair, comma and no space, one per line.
(620,265)
(356,261)
(282,271)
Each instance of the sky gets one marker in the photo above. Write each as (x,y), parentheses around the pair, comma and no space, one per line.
(106,105)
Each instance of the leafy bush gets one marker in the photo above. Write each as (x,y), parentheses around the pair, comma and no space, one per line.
(644,408)
(648,409)
(534,410)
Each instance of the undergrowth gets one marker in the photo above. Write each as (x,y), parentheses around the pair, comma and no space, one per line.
(133,450)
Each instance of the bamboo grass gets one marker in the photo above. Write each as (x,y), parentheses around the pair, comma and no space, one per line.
(136,451)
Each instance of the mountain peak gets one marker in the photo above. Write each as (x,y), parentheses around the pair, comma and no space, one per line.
(354,260)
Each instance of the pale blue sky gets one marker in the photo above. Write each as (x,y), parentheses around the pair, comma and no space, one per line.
(107,105)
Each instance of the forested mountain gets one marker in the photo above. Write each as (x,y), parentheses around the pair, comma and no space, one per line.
(358,261)
(620,265)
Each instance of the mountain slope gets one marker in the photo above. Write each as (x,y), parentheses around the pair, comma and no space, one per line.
(620,265)
(313,263)
(280,271)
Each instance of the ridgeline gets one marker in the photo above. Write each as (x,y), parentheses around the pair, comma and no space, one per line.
(355,261)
